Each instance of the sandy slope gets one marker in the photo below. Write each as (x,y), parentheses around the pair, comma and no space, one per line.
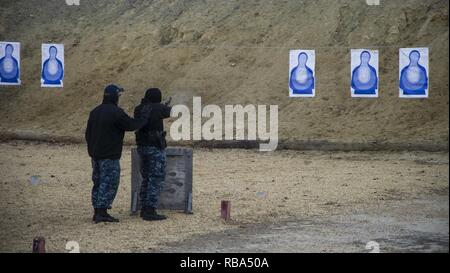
(230,52)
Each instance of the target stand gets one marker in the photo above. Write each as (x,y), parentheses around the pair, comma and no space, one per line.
(177,191)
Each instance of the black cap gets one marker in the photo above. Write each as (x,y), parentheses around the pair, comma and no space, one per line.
(113,89)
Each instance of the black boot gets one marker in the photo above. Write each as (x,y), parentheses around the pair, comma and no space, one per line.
(143,212)
(150,214)
(96,212)
(101,215)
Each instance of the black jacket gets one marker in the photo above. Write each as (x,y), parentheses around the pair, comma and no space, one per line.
(148,134)
(106,128)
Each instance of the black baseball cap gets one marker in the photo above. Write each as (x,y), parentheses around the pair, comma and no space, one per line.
(112,89)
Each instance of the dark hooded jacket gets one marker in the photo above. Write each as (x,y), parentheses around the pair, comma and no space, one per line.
(152,133)
(106,128)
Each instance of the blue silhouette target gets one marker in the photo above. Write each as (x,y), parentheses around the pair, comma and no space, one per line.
(52,74)
(414,77)
(364,65)
(302,75)
(9,63)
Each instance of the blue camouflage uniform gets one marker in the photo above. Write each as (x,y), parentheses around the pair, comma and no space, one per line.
(153,171)
(106,177)
(104,135)
(151,143)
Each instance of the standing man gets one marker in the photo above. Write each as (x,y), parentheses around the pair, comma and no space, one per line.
(151,142)
(104,136)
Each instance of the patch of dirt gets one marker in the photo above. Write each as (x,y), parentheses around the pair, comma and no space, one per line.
(418,225)
(263,189)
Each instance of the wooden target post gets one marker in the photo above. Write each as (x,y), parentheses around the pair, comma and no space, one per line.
(225,210)
(39,245)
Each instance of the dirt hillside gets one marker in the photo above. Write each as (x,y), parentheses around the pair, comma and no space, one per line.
(230,52)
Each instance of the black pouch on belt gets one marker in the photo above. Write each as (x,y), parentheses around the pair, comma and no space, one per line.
(161,137)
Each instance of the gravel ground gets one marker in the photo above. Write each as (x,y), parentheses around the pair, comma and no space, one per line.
(418,225)
(264,188)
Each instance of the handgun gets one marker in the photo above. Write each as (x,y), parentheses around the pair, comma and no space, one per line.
(168,101)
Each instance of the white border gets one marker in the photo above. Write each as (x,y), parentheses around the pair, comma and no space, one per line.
(44,57)
(424,61)
(355,61)
(311,63)
(16,54)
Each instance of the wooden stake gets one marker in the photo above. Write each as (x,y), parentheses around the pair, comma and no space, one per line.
(39,245)
(225,210)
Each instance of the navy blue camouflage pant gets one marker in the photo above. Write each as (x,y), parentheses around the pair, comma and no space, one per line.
(106,178)
(153,171)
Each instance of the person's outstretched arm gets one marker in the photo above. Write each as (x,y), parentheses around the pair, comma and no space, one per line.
(127,123)
(165,111)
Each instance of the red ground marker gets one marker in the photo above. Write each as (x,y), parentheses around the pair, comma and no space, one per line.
(39,245)
(225,210)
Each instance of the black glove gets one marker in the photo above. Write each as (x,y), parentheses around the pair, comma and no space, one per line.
(167,102)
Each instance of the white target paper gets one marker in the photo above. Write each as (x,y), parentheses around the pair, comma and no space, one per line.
(52,72)
(413,72)
(364,73)
(9,63)
(302,75)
